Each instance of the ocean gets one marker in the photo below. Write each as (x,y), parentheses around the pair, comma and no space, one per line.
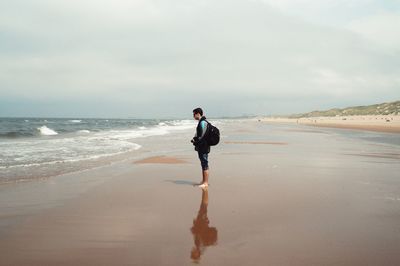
(43,147)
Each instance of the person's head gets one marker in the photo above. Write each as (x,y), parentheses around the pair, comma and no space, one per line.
(197,113)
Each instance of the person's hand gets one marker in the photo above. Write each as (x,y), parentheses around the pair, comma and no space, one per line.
(194,141)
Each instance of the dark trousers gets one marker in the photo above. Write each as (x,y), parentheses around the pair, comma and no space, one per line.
(203,160)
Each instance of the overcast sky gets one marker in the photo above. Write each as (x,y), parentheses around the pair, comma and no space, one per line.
(145,58)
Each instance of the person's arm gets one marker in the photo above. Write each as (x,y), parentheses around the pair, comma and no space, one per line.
(203,129)
(199,135)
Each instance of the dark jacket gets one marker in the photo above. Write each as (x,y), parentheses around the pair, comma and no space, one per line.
(200,142)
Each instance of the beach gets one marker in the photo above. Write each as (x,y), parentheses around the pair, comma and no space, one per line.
(279,194)
(380,123)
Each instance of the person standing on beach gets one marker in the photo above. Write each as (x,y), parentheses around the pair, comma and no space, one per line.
(201,145)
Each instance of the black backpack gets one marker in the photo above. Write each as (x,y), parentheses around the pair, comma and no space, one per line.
(212,135)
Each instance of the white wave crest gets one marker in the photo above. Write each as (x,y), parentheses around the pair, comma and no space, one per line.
(75,121)
(46,131)
(83,131)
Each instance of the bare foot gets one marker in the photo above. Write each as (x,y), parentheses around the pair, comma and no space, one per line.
(204,185)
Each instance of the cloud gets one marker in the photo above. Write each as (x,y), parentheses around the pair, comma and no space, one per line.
(375,20)
(383,29)
(152,56)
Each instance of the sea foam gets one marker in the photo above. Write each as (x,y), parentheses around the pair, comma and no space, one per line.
(47,131)
(84,131)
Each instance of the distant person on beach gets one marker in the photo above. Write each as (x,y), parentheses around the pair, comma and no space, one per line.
(201,145)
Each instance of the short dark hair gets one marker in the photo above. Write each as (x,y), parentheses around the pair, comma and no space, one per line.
(198,111)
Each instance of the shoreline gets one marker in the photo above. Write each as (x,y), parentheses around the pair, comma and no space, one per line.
(42,171)
(378,123)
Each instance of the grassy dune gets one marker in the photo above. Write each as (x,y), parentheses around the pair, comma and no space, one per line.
(392,108)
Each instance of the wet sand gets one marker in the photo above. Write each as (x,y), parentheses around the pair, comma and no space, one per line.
(161,159)
(315,201)
(256,142)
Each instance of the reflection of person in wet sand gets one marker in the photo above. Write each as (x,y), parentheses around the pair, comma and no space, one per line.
(203,235)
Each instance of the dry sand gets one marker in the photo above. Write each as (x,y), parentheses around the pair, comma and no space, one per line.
(380,123)
(315,201)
